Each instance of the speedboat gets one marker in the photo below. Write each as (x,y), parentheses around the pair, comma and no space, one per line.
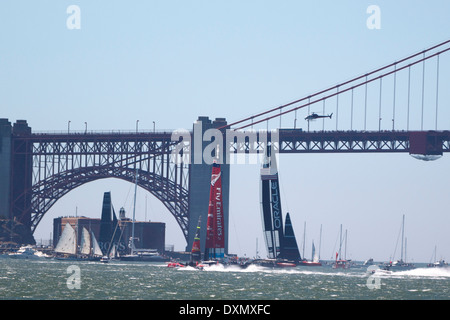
(398,265)
(24,252)
(438,264)
(149,255)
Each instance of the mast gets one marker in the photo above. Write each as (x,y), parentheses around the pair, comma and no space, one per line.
(403,234)
(320,239)
(405,249)
(134,214)
(135,191)
(340,243)
(304,238)
(76,237)
(345,252)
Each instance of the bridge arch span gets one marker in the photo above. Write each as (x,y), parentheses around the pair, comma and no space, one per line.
(47,192)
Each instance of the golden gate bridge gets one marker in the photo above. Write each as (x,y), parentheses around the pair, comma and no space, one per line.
(38,169)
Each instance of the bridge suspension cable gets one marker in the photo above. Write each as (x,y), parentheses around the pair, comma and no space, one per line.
(350,85)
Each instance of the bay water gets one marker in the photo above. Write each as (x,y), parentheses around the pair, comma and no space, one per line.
(49,279)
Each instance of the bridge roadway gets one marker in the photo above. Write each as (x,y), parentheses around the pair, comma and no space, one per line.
(291,141)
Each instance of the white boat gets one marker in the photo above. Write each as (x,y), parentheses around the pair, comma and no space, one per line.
(438,263)
(24,252)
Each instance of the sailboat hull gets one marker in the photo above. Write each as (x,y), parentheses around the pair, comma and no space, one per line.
(272,263)
(76,258)
(309,264)
(144,257)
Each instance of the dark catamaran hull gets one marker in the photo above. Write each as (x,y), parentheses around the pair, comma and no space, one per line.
(271,263)
(307,263)
(144,257)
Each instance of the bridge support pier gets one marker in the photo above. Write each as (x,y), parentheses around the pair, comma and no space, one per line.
(15,180)
(200,181)
(5,168)
(21,174)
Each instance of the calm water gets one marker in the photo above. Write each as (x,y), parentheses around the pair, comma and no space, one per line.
(52,279)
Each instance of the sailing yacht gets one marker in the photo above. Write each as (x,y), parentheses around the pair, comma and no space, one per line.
(339,262)
(67,248)
(135,254)
(438,263)
(314,262)
(400,264)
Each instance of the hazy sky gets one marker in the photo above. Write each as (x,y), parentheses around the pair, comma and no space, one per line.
(172,61)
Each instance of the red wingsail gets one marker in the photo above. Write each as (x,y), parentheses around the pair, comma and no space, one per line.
(215,228)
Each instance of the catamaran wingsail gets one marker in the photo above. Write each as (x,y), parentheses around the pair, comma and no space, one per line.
(290,248)
(271,208)
(281,245)
(215,227)
(196,254)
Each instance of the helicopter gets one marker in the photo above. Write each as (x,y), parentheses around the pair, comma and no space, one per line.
(314,116)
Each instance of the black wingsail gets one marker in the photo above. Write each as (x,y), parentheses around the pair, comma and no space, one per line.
(271,208)
(290,248)
(106,223)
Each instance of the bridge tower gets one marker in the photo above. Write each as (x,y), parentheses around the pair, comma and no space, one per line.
(5,167)
(200,181)
(15,172)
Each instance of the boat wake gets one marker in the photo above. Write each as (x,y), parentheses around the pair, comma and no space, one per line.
(419,273)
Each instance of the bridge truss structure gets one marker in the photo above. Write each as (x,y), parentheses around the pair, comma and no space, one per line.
(46,166)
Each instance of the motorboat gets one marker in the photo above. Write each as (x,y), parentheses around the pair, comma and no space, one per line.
(24,252)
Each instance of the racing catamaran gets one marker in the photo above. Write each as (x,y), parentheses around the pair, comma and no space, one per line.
(281,244)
